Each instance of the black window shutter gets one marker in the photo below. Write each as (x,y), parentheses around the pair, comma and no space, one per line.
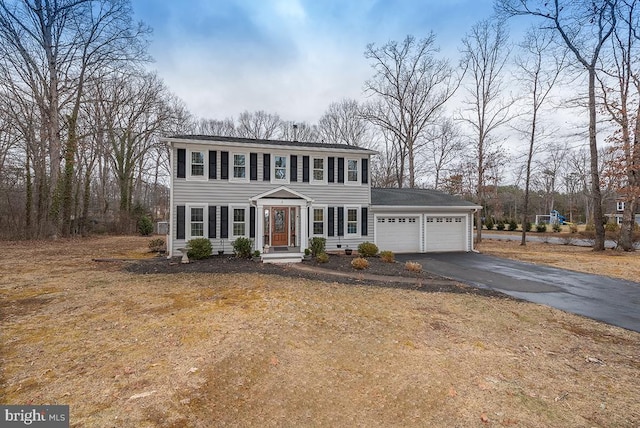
(340,221)
(252,222)
(340,170)
(365,171)
(330,170)
(330,222)
(224,165)
(224,222)
(364,221)
(294,168)
(305,169)
(180,222)
(253,166)
(213,164)
(212,221)
(182,163)
(266,167)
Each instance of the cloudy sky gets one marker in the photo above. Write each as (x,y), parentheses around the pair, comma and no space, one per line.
(291,57)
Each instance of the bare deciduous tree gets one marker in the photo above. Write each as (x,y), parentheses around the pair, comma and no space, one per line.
(343,123)
(620,82)
(258,125)
(221,128)
(298,131)
(444,145)
(584,28)
(485,55)
(52,49)
(539,69)
(410,87)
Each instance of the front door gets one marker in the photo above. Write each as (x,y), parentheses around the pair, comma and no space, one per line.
(279,226)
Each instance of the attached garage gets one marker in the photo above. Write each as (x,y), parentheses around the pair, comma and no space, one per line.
(421,220)
(400,234)
(445,233)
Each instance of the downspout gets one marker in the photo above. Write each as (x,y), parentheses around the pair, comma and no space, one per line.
(171,207)
(473,250)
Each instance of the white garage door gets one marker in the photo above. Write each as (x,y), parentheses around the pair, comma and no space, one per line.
(445,233)
(400,234)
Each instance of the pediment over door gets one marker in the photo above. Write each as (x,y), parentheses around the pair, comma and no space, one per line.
(281,193)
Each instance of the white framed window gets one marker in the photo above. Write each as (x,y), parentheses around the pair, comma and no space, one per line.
(279,168)
(318,216)
(197,165)
(352,221)
(239,224)
(620,205)
(239,164)
(196,222)
(352,171)
(317,170)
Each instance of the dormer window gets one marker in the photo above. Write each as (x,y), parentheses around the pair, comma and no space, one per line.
(620,206)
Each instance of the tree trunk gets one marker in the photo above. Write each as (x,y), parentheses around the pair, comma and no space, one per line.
(598,217)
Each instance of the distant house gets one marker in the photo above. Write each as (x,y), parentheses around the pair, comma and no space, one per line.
(615,210)
(281,194)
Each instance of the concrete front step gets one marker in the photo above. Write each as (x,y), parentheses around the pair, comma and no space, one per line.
(282,257)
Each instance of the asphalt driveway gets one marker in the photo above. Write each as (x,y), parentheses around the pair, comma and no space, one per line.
(613,301)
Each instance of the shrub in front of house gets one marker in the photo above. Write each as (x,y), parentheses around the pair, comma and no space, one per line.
(413,266)
(317,246)
(367,249)
(157,244)
(322,257)
(556,227)
(387,256)
(360,263)
(242,247)
(541,227)
(145,226)
(500,225)
(488,223)
(199,248)
(513,225)
(527,226)
(573,228)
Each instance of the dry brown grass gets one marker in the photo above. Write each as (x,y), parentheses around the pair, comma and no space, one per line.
(256,350)
(617,264)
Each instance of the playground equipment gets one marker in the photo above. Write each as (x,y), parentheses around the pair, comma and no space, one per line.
(554,217)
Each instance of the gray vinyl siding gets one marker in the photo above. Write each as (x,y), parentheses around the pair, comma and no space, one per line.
(218,192)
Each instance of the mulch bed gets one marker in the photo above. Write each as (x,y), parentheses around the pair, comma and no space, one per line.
(378,273)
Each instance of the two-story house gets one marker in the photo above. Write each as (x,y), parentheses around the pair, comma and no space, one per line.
(280,194)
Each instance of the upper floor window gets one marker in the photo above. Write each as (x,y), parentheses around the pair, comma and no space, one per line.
(197,164)
(239,166)
(352,171)
(318,169)
(620,206)
(280,167)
